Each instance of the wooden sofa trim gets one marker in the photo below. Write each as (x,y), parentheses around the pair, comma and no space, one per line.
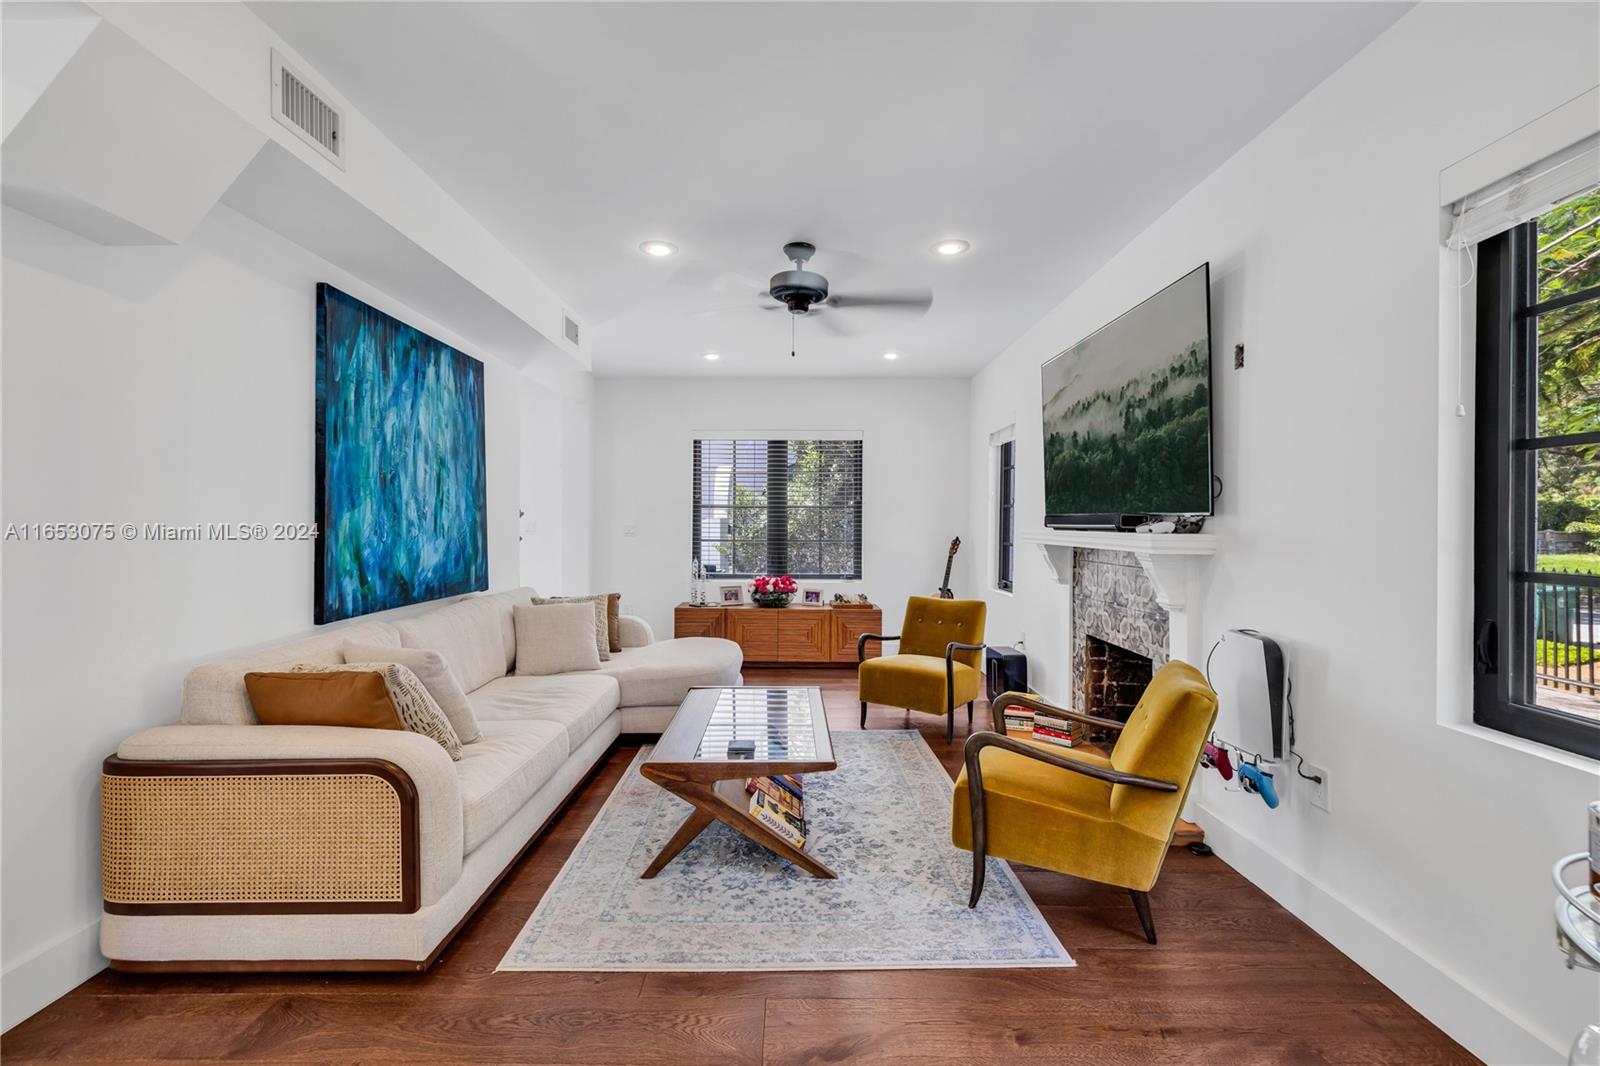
(233,819)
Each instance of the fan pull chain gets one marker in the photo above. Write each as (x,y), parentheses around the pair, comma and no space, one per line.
(791,335)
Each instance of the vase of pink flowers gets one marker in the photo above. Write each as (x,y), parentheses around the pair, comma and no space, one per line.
(773,591)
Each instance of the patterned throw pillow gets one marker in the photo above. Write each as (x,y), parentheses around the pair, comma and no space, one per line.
(602,622)
(417,709)
(435,675)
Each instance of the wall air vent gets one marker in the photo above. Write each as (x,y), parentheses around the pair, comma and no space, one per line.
(306,114)
(570,328)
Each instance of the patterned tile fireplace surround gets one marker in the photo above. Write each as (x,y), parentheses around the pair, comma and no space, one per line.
(1119,632)
(1129,604)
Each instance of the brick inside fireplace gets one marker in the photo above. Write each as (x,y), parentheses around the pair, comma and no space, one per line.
(1114,678)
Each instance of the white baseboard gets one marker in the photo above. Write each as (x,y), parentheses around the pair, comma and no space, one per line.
(1477,1023)
(35,982)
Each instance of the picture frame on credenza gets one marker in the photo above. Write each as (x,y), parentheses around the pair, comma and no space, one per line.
(730,595)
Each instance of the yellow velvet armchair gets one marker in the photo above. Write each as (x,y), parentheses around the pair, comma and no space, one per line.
(939,665)
(1108,819)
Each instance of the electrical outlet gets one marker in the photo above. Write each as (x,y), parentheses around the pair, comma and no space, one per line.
(1320,790)
(630,531)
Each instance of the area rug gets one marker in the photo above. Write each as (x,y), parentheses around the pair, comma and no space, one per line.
(881,821)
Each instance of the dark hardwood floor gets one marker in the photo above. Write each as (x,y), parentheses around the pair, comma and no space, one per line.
(1234,979)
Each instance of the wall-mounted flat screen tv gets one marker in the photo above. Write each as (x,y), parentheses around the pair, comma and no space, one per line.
(1127,413)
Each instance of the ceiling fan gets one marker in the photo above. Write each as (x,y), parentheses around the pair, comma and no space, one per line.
(805,292)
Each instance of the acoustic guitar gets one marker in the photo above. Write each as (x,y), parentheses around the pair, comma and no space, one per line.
(944,589)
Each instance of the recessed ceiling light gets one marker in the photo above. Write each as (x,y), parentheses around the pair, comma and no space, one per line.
(712,357)
(658,248)
(891,355)
(952,247)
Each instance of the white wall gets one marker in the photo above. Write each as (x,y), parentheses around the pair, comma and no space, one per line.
(175,384)
(914,477)
(1323,236)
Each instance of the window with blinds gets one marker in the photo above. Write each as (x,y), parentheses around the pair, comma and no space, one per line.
(1006,520)
(778,507)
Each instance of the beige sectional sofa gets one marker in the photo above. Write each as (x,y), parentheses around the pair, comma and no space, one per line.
(229,845)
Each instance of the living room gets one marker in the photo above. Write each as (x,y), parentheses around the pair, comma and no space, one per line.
(345,346)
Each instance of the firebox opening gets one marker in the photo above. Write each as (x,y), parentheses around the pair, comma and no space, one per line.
(1113,678)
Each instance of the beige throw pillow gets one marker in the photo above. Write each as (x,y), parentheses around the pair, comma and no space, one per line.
(555,638)
(436,677)
(417,710)
(602,617)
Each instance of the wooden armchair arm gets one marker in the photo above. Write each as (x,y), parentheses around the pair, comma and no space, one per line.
(1018,699)
(950,679)
(978,741)
(861,644)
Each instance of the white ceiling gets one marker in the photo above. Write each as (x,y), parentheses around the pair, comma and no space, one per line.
(1046,134)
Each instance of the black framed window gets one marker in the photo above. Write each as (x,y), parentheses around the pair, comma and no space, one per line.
(1006,520)
(1537,468)
(778,507)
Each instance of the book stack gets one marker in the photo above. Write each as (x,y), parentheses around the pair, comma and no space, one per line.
(779,803)
(1019,722)
(1052,730)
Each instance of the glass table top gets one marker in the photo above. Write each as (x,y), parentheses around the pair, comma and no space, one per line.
(780,722)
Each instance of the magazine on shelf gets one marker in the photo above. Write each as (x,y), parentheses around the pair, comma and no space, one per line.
(764,809)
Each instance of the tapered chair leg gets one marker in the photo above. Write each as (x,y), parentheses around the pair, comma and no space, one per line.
(863,714)
(950,724)
(1141,903)
(969,715)
(978,866)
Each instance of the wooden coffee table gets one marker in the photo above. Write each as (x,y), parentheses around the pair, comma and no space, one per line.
(790,732)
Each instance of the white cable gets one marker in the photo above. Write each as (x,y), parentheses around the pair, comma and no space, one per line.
(1458,242)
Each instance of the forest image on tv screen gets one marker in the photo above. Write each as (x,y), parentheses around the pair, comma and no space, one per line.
(1127,411)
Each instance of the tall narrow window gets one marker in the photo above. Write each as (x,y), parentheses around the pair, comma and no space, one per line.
(1006,520)
(1537,547)
(778,507)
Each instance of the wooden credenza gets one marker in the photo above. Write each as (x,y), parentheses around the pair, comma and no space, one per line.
(785,636)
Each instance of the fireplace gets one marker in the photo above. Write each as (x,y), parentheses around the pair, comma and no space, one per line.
(1114,678)
(1120,633)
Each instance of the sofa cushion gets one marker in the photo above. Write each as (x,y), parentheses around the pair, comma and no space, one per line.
(602,622)
(578,703)
(663,673)
(556,638)
(502,771)
(474,636)
(214,694)
(357,699)
(435,675)
(418,710)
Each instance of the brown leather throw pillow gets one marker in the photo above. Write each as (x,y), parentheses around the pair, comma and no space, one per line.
(613,626)
(357,698)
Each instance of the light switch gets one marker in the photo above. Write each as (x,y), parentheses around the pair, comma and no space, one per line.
(630,531)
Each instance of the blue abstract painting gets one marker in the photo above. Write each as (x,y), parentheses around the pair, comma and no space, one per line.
(400,464)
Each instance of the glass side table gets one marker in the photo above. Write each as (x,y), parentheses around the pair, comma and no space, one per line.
(1577,915)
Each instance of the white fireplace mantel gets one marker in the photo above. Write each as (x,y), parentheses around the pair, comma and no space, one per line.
(1173,562)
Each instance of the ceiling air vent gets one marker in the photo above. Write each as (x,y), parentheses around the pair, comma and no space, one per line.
(570,328)
(302,109)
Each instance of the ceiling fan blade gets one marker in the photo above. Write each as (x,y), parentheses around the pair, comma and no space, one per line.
(915,301)
(838,325)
